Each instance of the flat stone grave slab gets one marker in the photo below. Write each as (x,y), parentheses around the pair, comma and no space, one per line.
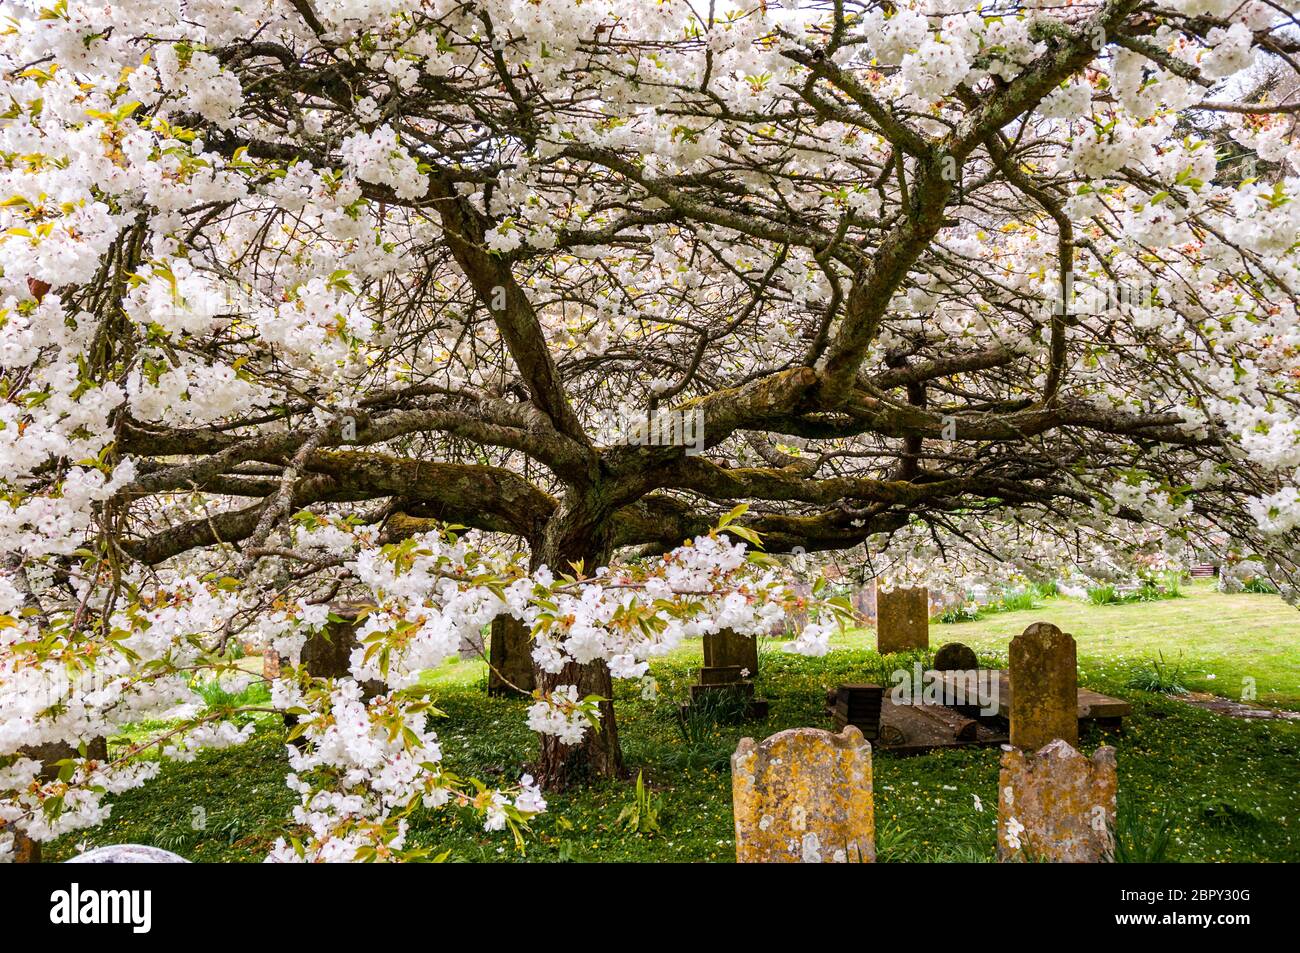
(915,729)
(1093,706)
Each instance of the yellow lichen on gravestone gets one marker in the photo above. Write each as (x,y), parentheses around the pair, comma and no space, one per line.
(1044,687)
(804,795)
(1056,805)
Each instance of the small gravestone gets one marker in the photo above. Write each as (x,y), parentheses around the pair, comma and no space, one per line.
(902,620)
(1044,687)
(510,658)
(856,705)
(25,850)
(270,664)
(1056,805)
(955,657)
(730,664)
(127,854)
(729,648)
(797,619)
(804,796)
(864,604)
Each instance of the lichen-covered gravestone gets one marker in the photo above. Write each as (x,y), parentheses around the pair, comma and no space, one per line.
(804,796)
(1056,805)
(1044,687)
(902,620)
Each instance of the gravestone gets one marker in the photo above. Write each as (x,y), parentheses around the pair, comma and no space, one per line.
(730,664)
(902,620)
(804,796)
(127,854)
(270,664)
(796,619)
(864,604)
(1044,687)
(1056,805)
(727,647)
(955,657)
(856,705)
(510,656)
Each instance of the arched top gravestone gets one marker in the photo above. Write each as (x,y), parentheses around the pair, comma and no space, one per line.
(955,657)
(1044,687)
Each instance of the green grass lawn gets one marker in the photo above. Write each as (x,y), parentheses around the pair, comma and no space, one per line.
(1216,638)
(1228,789)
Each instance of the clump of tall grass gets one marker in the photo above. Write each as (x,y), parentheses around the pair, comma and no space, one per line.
(1137,838)
(1159,676)
(1007,600)
(1168,586)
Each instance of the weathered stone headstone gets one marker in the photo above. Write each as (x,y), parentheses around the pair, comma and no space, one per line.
(510,656)
(1044,687)
(798,618)
(902,620)
(856,705)
(730,664)
(727,648)
(955,657)
(49,755)
(804,795)
(864,603)
(328,654)
(127,854)
(1056,804)
(270,664)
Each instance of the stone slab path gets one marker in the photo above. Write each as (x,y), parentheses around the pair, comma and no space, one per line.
(1235,709)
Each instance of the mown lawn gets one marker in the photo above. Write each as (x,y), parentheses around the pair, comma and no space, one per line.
(1227,789)
(1216,638)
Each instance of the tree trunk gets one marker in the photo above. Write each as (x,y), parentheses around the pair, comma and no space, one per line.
(26,850)
(510,658)
(575,534)
(598,755)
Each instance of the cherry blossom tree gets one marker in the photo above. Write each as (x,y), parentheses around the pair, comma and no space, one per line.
(467,309)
